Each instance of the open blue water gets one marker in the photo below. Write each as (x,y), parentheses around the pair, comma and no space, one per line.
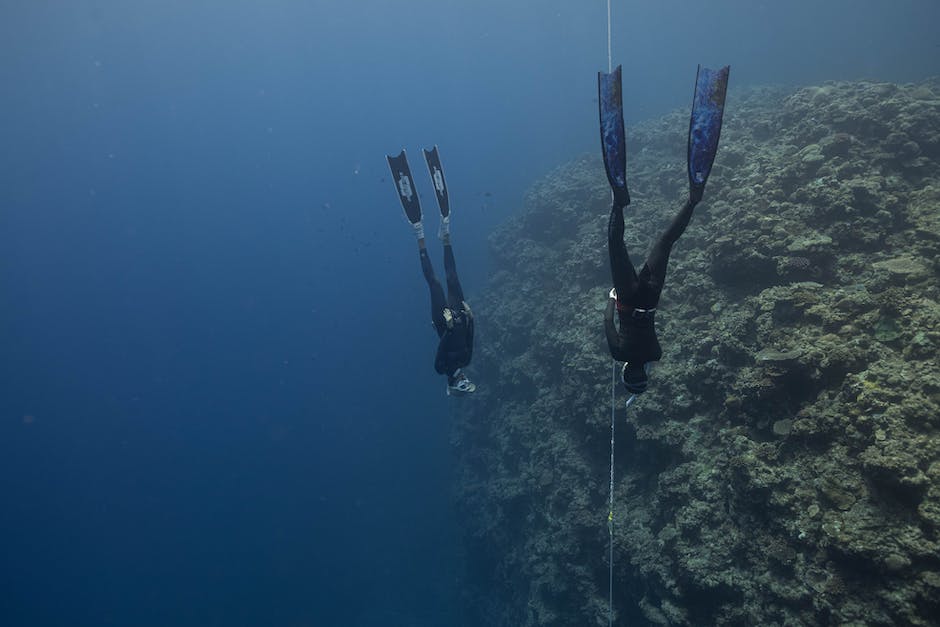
(217,400)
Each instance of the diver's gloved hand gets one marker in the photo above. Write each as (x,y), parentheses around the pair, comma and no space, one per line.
(466,309)
(448,318)
(613,293)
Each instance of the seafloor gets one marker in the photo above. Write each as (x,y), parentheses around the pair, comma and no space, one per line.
(784,468)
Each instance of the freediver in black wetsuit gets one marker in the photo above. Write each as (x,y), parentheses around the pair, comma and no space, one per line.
(635,296)
(451,316)
(452,319)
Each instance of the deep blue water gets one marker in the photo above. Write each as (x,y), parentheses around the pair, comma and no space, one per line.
(217,400)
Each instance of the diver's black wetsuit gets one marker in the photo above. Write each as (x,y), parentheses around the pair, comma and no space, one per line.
(456,346)
(638,295)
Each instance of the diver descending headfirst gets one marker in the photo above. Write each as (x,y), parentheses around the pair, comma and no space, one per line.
(635,296)
(451,317)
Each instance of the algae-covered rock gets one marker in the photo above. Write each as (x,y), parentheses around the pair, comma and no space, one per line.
(777,358)
(784,466)
(810,242)
(903,266)
(887,329)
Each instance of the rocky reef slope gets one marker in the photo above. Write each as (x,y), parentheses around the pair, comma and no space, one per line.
(784,467)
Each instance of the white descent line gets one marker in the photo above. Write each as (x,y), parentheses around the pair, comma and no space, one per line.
(613,401)
(608,38)
(610,513)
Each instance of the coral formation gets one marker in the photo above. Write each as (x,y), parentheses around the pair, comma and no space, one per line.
(784,467)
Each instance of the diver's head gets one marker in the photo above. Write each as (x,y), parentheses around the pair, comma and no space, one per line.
(635,377)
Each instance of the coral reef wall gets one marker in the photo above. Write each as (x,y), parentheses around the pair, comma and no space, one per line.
(784,467)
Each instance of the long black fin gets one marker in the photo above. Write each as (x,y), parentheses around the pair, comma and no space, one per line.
(436,171)
(404,185)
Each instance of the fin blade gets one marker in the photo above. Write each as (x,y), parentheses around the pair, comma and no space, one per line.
(436,170)
(708,106)
(613,136)
(404,186)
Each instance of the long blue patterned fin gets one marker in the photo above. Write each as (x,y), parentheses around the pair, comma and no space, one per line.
(613,137)
(708,106)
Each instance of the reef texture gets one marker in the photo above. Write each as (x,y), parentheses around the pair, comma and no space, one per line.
(784,467)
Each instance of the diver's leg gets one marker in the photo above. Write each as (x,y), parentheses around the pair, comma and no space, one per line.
(454,290)
(437,293)
(621,268)
(659,256)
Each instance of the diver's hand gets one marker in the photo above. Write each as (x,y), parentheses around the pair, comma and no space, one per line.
(613,293)
(466,309)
